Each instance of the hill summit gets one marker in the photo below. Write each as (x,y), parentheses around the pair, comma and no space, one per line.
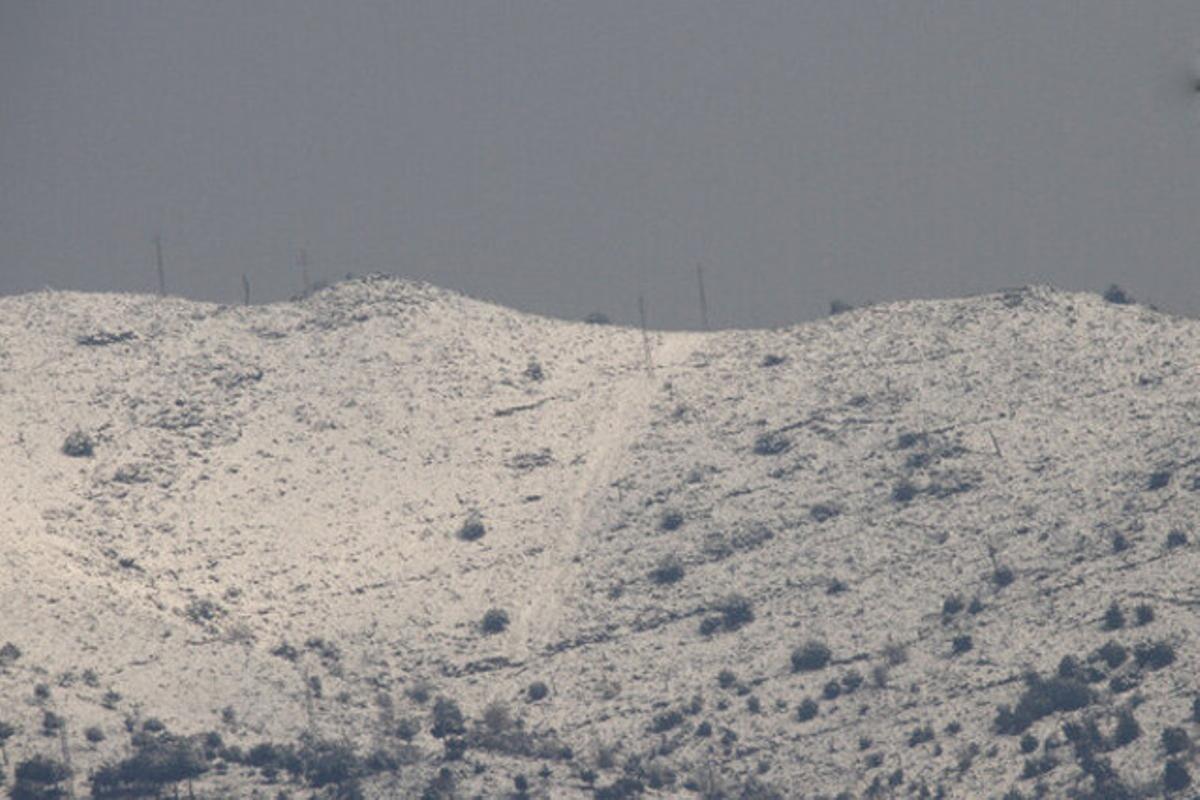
(390,541)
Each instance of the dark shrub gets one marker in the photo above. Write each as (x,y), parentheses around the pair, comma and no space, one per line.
(1127,729)
(495,621)
(534,371)
(1116,295)
(623,789)
(447,718)
(771,444)
(753,705)
(1036,767)
(1143,614)
(903,492)
(710,625)
(704,730)
(839,307)
(832,690)
(976,606)
(51,723)
(962,643)
(472,529)
(78,445)
(952,605)
(1176,538)
(1124,683)
(1156,655)
(1003,576)
(919,736)
(1114,617)
(810,656)
(1029,743)
(1176,777)
(157,763)
(38,778)
(597,318)
(806,710)
(666,721)
(1119,543)
(286,652)
(1113,654)
(726,678)
(328,762)
(1068,667)
(1175,740)
(406,729)
(772,360)
(1196,709)
(9,653)
(669,570)
(537,691)
(1041,698)
(736,611)
(851,681)
(94,734)
(1158,480)
(454,748)
(671,520)
(823,511)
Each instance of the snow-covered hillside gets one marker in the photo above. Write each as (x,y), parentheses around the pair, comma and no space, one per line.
(294,520)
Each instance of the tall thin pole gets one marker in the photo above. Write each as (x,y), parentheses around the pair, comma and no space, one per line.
(645,335)
(703,299)
(158,263)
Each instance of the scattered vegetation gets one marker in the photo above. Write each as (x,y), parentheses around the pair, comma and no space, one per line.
(771,444)
(670,520)
(39,778)
(495,620)
(732,612)
(1116,295)
(811,656)
(78,444)
(472,529)
(668,570)
(1114,617)
(1041,698)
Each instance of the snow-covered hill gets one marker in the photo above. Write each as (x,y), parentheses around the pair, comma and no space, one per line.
(276,538)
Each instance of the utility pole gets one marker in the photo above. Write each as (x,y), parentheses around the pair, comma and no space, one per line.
(703,299)
(158,262)
(645,335)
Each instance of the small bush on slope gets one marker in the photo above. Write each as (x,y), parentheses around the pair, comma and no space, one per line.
(495,620)
(810,656)
(38,778)
(669,570)
(78,445)
(1041,698)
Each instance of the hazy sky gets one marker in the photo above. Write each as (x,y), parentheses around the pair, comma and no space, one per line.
(563,157)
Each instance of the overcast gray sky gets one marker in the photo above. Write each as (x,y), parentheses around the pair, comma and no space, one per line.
(565,157)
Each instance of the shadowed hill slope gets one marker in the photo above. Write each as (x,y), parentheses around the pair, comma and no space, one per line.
(811,560)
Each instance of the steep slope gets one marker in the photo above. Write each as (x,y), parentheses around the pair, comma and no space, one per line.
(267,541)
